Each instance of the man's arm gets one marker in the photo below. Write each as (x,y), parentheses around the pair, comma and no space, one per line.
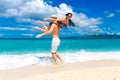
(51,19)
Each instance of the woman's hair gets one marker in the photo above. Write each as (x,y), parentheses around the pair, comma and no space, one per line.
(61,24)
(64,25)
(68,14)
(70,21)
(50,23)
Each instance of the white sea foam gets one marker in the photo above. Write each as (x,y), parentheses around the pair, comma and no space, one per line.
(13,61)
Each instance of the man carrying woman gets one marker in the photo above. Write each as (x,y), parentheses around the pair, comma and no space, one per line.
(54,28)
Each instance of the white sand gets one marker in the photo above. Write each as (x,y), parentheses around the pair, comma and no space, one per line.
(91,70)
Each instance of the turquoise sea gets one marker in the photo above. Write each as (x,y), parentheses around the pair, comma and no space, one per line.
(21,52)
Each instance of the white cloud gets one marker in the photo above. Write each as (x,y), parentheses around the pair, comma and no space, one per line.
(36,8)
(10,3)
(118,10)
(84,21)
(88,24)
(118,33)
(26,20)
(12,28)
(106,12)
(84,9)
(32,9)
(109,30)
(110,15)
(11,12)
(27,34)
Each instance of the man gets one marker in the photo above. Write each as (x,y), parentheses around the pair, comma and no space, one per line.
(53,28)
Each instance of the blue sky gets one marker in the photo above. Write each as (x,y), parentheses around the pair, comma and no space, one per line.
(92,17)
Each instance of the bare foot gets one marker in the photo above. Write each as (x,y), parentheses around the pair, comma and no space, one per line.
(35,28)
(38,36)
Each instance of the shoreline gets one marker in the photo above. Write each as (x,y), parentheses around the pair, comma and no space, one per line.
(68,71)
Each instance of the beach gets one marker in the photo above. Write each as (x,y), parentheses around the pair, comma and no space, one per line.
(88,70)
(59,40)
(84,59)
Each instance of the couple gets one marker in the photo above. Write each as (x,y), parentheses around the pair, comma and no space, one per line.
(54,28)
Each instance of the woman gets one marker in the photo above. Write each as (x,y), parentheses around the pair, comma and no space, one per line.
(63,21)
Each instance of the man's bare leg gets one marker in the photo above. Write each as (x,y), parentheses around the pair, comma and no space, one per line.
(58,56)
(54,58)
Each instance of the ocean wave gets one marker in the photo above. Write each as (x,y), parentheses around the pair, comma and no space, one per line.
(20,60)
